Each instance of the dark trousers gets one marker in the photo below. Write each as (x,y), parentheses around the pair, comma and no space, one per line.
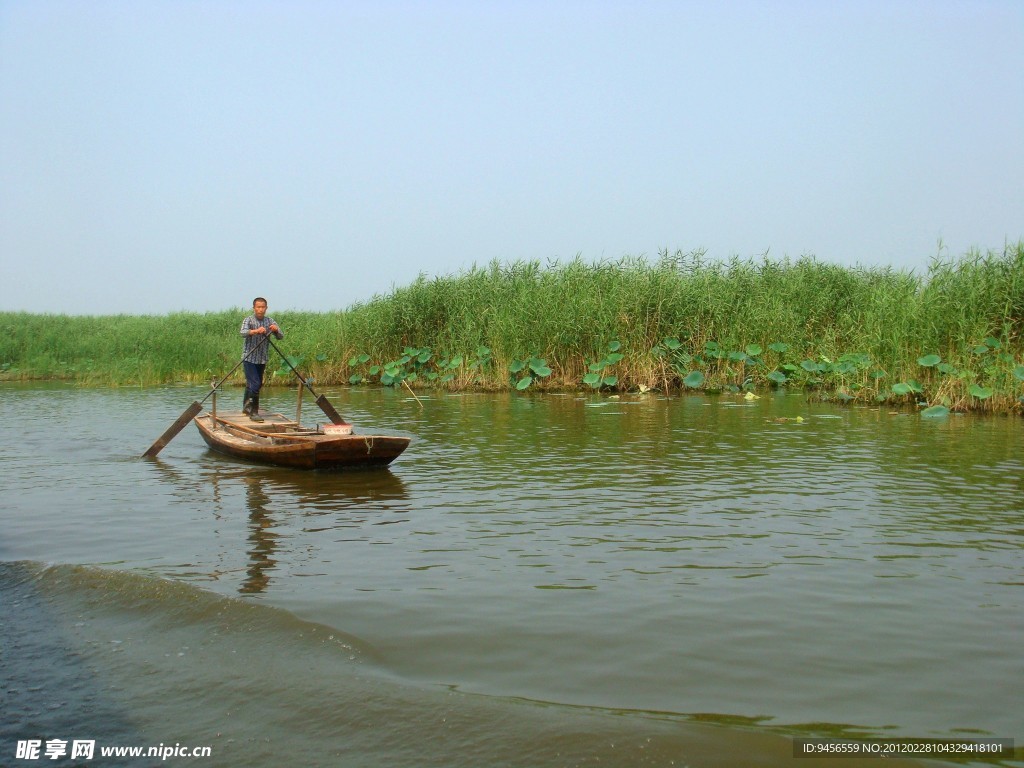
(253,376)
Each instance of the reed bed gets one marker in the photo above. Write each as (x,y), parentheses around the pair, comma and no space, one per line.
(951,337)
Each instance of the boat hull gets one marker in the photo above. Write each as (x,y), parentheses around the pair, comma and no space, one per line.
(283,443)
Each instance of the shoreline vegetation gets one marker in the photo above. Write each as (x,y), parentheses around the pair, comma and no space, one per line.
(951,339)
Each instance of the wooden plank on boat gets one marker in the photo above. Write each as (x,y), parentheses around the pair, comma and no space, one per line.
(242,419)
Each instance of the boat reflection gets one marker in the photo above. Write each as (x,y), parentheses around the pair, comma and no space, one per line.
(292,490)
(277,499)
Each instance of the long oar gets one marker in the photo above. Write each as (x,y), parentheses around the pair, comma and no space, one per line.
(190,413)
(321,400)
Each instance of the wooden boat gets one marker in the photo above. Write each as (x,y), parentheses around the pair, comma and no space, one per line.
(281,441)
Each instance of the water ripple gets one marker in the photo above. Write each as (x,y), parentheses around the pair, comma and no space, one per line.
(687,555)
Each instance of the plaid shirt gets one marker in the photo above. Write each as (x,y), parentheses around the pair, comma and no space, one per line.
(255,347)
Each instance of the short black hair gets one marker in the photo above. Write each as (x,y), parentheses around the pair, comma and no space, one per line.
(258,298)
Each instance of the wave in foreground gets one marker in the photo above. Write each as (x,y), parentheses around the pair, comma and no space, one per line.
(126,658)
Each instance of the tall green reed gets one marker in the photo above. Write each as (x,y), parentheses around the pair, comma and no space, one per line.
(881,319)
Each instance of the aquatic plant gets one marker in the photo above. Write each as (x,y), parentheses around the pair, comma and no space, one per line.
(287,363)
(481,364)
(525,372)
(412,363)
(354,363)
(596,377)
(694,380)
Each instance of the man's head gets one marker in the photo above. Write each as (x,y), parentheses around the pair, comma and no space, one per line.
(259,307)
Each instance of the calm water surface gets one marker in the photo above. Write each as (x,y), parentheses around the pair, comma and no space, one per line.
(540,580)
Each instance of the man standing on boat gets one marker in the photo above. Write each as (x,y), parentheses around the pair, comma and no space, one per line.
(254,354)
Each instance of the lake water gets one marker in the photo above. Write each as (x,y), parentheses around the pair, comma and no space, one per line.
(541,580)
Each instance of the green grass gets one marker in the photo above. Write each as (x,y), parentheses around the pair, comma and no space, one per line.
(849,333)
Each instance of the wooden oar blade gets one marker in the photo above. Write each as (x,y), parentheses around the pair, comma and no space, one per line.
(190,413)
(328,409)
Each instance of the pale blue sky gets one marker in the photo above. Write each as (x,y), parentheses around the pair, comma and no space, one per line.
(160,156)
